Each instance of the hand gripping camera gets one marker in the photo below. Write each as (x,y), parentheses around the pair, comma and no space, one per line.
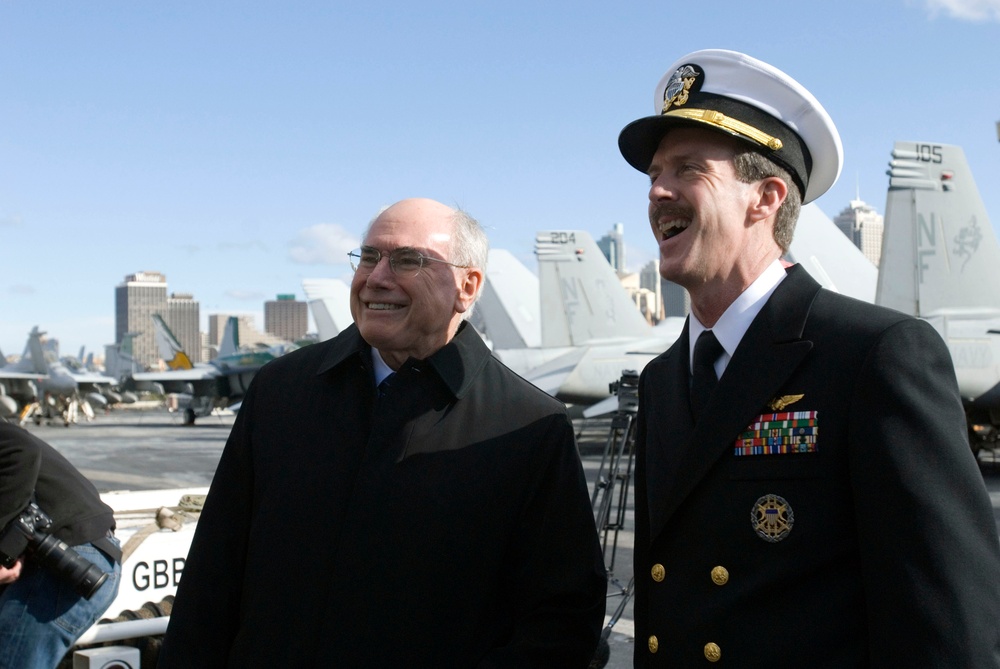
(28,532)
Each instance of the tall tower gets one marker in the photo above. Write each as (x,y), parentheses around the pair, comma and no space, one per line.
(863,226)
(612,245)
(137,298)
(286,318)
(182,316)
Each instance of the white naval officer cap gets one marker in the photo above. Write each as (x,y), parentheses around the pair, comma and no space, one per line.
(755,102)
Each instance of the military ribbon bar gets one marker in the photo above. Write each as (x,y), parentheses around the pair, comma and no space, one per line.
(780,433)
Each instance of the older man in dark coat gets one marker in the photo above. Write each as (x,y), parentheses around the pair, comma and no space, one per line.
(396,497)
(805,493)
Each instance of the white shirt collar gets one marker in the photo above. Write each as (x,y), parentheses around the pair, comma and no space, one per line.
(736,319)
(381,369)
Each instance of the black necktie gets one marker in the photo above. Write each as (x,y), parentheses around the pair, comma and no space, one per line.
(706,351)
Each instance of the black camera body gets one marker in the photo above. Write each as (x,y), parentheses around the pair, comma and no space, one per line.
(28,533)
(627,390)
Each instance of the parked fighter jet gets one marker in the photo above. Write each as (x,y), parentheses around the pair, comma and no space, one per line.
(119,359)
(941,262)
(17,388)
(59,392)
(590,329)
(206,386)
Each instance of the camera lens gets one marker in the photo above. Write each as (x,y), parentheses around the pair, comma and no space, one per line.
(84,575)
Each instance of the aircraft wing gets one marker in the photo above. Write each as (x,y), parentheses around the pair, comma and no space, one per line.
(91,377)
(182,375)
(28,376)
(551,376)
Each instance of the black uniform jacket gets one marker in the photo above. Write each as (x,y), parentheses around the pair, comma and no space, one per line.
(31,468)
(877,548)
(446,524)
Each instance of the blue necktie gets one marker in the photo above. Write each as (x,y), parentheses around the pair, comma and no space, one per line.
(383,387)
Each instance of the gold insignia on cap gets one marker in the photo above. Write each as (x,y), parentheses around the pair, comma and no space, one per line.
(772,518)
(779,403)
(676,91)
(727,123)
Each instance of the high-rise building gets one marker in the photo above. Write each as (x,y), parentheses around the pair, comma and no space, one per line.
(676,301)
(863,226)
(183,316)
(286,318)
(649,279)
(137,298)
(612,245)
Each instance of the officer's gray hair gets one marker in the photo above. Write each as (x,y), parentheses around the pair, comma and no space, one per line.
(751,166)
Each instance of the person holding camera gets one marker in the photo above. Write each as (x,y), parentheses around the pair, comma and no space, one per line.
(59,559)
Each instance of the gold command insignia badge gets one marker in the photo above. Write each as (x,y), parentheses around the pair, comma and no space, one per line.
(772,518)
(779,403)
(677,88)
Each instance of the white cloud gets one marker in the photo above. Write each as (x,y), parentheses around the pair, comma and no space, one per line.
(968,10)
(322,244)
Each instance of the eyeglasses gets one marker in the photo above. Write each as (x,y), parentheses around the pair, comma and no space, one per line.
(403,261)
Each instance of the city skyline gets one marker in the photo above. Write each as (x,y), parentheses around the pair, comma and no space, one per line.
(242,148)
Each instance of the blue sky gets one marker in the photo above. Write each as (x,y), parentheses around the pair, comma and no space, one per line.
(239,147)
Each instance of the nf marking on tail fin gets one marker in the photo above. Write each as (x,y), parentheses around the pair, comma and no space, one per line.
(939,251)
(582,299)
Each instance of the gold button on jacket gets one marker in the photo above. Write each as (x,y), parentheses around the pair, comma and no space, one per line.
(720,576)
(654,644)
(712,652)
(658,572)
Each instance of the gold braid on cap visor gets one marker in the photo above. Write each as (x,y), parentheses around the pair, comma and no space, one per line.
(728,123)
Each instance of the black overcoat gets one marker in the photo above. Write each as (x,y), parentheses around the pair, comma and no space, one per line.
(446,524)
(878,548)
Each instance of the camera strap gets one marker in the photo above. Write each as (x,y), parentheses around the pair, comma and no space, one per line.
(108,547)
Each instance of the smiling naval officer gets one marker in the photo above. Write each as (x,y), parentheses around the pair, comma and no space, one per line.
(805,494)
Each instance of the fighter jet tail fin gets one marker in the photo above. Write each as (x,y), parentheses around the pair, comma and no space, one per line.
(230,342)
(170,348)
(507,311)
(34,351)
(330,304)
(582,298)
(939,253)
